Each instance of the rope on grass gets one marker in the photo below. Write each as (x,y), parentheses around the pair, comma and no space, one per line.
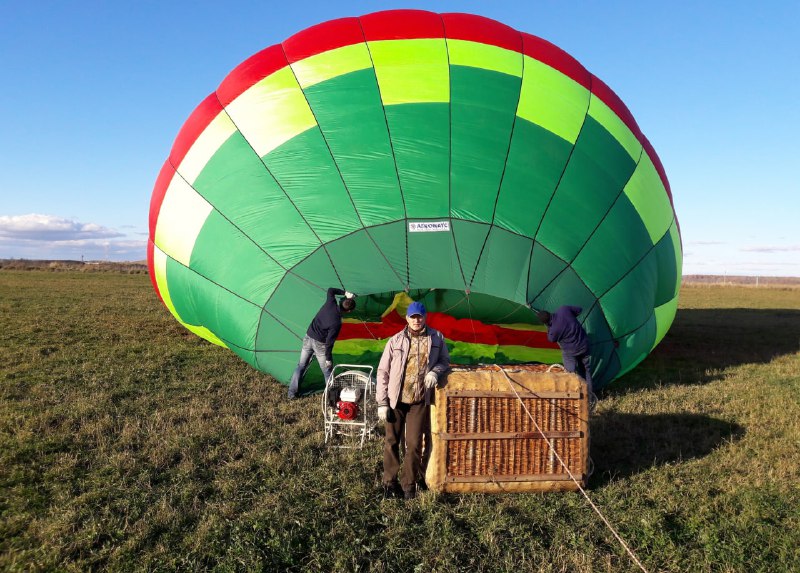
(572,477)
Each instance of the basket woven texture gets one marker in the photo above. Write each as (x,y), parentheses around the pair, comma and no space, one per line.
(485,441)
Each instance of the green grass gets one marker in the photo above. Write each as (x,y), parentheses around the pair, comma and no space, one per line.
(128,444)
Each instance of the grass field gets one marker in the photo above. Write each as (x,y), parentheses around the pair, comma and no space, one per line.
(128,444)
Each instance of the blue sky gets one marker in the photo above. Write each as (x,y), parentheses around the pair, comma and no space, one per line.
(94,93)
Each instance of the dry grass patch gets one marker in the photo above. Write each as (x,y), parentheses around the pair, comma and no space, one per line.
(129,444)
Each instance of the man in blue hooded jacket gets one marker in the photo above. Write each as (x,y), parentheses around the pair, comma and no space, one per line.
(563,328)
(321,335)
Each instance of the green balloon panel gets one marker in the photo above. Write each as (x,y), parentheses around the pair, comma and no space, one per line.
(444,156)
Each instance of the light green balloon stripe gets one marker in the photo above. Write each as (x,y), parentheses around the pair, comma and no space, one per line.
(411,71)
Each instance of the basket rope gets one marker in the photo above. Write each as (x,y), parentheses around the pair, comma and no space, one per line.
(572,477)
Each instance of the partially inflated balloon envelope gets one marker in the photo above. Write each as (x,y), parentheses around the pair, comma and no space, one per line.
(407,155)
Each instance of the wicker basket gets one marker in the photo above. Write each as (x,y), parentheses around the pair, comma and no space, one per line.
(483,438)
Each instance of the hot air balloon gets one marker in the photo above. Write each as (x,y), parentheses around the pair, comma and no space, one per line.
(407,155)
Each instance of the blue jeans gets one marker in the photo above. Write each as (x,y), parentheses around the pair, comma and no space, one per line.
(581,366)
(310,348)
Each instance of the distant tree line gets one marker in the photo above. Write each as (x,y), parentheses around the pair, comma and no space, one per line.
(741,280)
(80,266)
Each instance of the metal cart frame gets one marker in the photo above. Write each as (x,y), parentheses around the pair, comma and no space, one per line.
(359,377)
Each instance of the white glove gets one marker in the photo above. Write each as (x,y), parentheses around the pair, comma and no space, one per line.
(430,379)
(383,413)
(348,294)
(328,365)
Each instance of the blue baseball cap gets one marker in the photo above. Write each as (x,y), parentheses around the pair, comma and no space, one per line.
(415,308)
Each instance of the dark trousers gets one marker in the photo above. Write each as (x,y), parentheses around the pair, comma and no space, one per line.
(581,366)
(408,418)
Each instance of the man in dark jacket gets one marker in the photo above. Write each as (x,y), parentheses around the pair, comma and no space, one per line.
(321,335)
(563,328)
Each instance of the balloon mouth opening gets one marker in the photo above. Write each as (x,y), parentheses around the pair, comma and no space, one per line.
(478,328)
(457,304)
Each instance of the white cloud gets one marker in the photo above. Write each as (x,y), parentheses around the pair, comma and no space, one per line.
(49,228)
(771,249)
(36,236)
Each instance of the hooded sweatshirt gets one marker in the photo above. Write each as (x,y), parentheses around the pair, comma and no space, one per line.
(565,329)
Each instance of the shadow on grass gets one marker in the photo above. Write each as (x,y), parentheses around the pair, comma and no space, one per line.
(702,342)
(626,444)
